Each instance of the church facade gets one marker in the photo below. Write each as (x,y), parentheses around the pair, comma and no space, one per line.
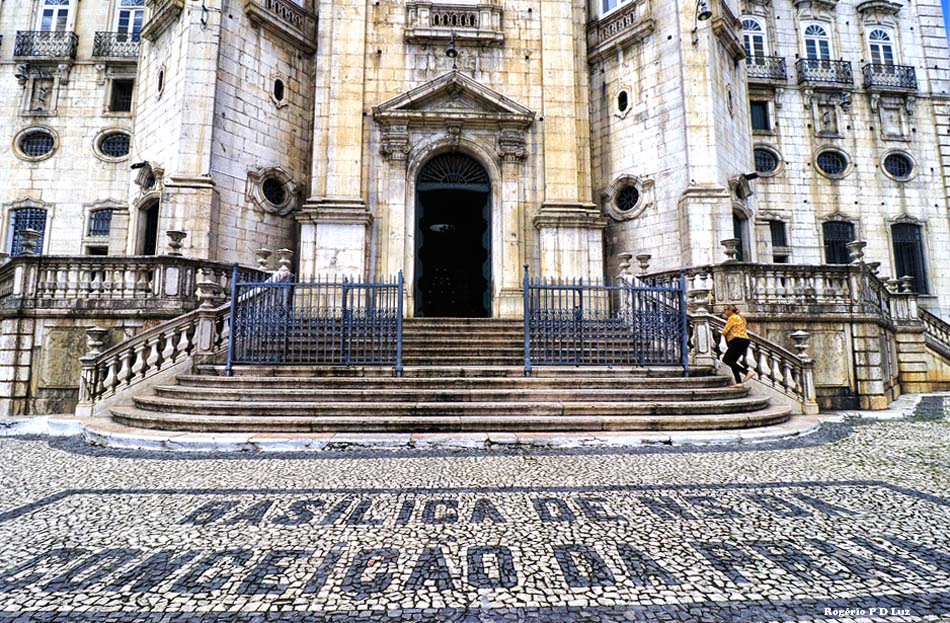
(457,141)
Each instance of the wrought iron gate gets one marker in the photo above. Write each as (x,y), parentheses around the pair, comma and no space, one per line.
(624,322)
(329,322)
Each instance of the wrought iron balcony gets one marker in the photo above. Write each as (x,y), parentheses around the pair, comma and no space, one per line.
(814,71)
(120,45)
(890,77)
(58,44)
(766,69)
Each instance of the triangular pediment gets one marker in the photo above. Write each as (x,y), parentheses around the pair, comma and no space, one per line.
(453,96)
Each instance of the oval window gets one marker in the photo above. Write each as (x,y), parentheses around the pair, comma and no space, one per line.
(832,163)
(900,166)
(274,191)
(623,101)
(628,198)
(766,160)
(37,143)
(115,145)
(279,90)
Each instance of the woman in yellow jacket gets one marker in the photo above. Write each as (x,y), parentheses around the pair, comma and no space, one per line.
(738,340)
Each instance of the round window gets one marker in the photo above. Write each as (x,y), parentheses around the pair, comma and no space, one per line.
(115,145)
(899,165)
(279,90)
(274,191)
(623,101)
(37,143)
(832,163)
(766,160)
(628,198)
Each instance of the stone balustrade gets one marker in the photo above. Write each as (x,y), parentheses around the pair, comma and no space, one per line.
(288,20)
(624,26)
(937,333)
(119,284)
(433,22)
(791,375)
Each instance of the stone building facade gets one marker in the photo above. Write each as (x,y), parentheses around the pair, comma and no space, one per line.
(564,133)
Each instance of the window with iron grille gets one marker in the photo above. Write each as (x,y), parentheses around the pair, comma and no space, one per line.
(120,96)
(766,160)
(37,143)
(26,218)
(115,145)
(100,223)
(899,165)
(760,116)
(837,235)
(909,254)
(628,198)
(832,163)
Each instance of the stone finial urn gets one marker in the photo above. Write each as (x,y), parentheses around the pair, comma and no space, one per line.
(893,285)
(29,240)
(801,343)
(907,284)
(284,258)
(874,267)
(644,261)
(95,339)
(175,238)
(263,257)
(624,266)
(730,247)
(856,251)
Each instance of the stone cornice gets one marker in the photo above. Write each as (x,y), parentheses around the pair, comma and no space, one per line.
(569,214)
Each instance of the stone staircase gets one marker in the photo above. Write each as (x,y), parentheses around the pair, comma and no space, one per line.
(461,375)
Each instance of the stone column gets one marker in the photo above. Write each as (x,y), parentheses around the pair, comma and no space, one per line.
(509,294)
(570,225)
(334,220)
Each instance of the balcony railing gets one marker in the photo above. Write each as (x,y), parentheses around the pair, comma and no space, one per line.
(434,22)
(816,71)
(890,77)
(116,45)
(45,44)
(627,25)
(766,68)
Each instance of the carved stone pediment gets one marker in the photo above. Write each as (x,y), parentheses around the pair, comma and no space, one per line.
(453,99)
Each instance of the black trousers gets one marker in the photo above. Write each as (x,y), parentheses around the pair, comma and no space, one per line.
(734,354)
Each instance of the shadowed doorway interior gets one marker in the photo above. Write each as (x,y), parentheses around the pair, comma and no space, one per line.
(453,239)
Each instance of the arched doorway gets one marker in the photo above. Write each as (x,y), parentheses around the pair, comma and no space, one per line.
(453,238)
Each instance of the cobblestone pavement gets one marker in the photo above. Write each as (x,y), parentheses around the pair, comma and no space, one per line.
(851,525)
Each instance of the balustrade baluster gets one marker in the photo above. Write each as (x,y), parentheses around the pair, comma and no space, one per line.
(168,339)
(109,383)
(138,361)
(152,361)
(125,371)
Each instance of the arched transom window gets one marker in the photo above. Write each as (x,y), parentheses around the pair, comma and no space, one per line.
(753,36)
(817,42)
(881,45)
(54,15)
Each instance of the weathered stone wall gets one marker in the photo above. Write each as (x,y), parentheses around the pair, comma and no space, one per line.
(866,129)
(74,178)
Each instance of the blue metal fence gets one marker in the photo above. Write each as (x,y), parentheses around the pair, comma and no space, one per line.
(328,322)
(625,322)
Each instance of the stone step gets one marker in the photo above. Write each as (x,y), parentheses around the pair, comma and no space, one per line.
(244,382)
(496,394)
(271,409)
(466,371)
(517,421)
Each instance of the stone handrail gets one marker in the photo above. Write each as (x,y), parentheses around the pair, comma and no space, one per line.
(802,289)
(198,335)
(154,283)
(777,368)
(937,332)
(140,357)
